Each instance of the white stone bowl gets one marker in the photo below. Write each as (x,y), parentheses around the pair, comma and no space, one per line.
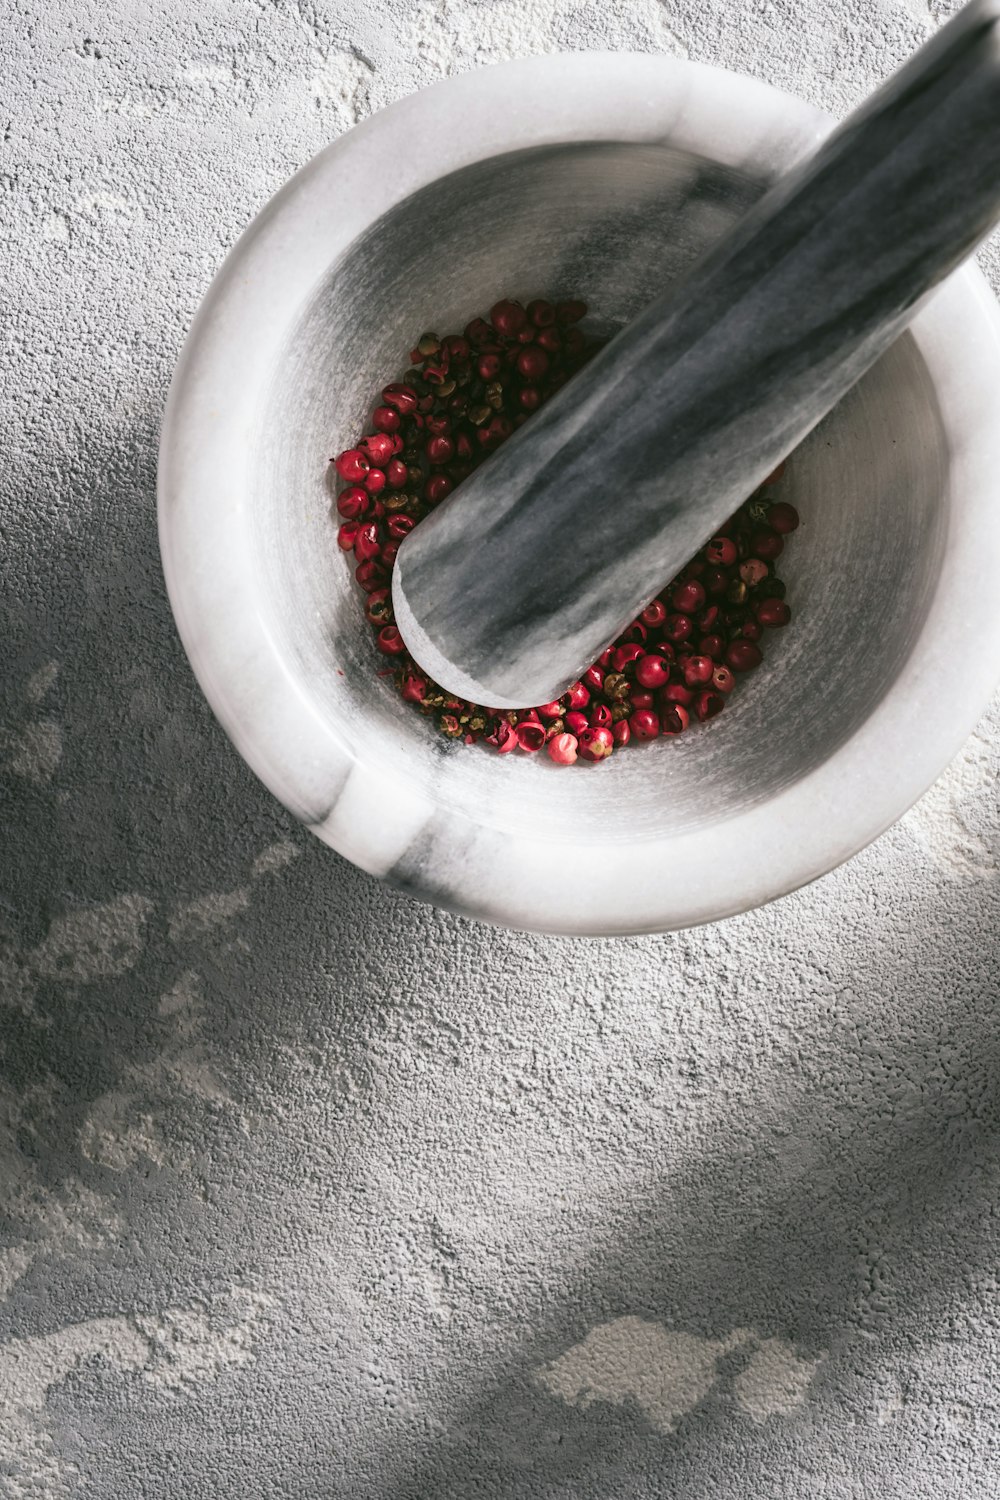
(602,175)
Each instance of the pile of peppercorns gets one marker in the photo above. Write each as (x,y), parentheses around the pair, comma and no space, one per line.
(463,397)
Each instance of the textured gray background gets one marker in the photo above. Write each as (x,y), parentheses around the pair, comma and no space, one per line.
(310,1191)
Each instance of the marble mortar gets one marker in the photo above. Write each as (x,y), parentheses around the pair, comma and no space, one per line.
(603,175)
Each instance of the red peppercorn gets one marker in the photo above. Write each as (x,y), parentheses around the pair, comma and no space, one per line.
(479,332)
(497,429)
(652,671)
(708,704)
(352,465)
(707,618)
(782,517)
(679,627)
(675,692)
(378,608)
(551,710)
(414,688)
(353,503)
(387,556)
(368,542)
(654,614)
(374,481)
(530,736)
(347,535)
(713,646)
(541,313)
(549,339)
(599,716)
(403,398)
(767,543)
(723,680)
(533,363)
(438,424)
(593,678)
(397,474)
(377,448)
(488,366)
(527,335)
(751,630)
(371,575)
(716,581)
(665,649)
(644,724)
(622,732)
(437,487)
(390,641)
(570,312)
(578,695)
(753,571)
(773,613)
(635,632)
(575,721)
(463,446)
(530,397)
(721,551)
(625,655)
(595,744)
(562,749)
(675,720)
(508,318)
(397,526)
(688,597)
(695,569)
(743,656)
(384,419)
(697,670)
(640,698)
(440,450)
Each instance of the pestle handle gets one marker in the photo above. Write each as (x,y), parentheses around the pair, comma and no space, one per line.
(518,581)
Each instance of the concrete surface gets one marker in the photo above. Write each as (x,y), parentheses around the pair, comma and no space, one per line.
(307,1190)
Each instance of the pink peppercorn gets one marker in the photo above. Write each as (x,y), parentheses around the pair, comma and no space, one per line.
(578,695)
(576,721)
(374,481)
(697,670)
(508,318)
(541,313)
(390,641)
(530,736)
(675,720)
(654,614)
(532,363)
(371,575)
(767,543)
(562,749)
(743,656)
(782,517)
(624,656)
(385,419)
(593,678)
(414,688)
(352,503)
(773,613)
(723,680)
(652,671)
(402,398)
(352,465)
(708,704)
(595,744)
(676,692)
(688,597)
(377,447)
(551,710)
(437,487)
(644,724)
(397,474)
(679,627)
(368,542)
(600,716)
(347,535)
(621,733)
(721,551)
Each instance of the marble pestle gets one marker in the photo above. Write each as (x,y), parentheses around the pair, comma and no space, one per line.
(519,580)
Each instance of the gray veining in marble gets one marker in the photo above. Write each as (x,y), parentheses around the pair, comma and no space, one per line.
(514,585)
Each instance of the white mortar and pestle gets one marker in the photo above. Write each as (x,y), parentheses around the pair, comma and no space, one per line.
(604,176)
